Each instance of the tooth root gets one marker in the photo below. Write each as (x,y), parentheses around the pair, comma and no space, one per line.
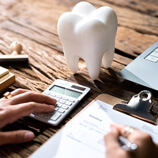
(109,54)
(93,66)
(72,62)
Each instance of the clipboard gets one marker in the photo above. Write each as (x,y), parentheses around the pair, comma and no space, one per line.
(52,147)
(47,151)
(140,106)
(106,98)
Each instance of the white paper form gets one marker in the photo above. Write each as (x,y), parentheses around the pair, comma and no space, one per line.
(84,136)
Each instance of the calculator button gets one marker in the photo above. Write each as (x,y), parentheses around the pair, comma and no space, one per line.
(64,98)
(59,105)
(68,103)
(61,110)
(52,95)
(46,93)
(56,108)
(57,99)
(62,101)
(55,116)
(58,96)
(70,99)
(32,115)
(65,107)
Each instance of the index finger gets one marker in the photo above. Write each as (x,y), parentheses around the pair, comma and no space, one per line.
(19,91)
(129,132)
(113,148)
(13,113)
(30,96)
(111,139)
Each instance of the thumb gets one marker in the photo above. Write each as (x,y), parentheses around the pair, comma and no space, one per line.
(14,137)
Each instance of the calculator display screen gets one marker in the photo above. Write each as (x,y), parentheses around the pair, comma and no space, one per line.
(65,91)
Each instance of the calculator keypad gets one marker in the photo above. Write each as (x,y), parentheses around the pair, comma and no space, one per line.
(62,106)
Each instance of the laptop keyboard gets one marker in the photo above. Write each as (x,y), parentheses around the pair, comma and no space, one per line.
(153,56)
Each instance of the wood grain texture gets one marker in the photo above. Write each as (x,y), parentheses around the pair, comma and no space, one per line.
(34,24)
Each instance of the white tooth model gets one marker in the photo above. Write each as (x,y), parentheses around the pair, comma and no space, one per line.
(88,33)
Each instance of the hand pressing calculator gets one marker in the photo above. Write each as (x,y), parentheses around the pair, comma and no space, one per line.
(67,94)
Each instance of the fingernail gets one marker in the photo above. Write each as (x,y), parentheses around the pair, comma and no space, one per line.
(29,136)
(52,107)
(113,128)
(55,100)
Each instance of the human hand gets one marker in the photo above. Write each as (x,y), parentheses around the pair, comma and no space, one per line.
(146,147)
(22,103)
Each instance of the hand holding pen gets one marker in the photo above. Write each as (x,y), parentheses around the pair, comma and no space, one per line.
(126,142)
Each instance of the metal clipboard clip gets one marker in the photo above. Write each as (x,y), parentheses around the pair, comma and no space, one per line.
(140,106)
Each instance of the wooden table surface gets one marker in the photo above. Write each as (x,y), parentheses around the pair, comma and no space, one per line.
(34,24)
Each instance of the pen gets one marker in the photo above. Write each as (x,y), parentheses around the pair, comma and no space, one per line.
(126,144)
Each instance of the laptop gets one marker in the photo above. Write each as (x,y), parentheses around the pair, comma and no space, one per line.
(144,69)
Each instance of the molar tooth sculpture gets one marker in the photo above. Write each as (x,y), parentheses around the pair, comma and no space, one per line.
(88,33)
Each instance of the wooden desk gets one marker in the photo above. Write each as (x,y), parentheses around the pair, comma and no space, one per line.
(33,23)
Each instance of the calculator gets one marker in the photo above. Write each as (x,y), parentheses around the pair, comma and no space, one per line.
(68,95)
